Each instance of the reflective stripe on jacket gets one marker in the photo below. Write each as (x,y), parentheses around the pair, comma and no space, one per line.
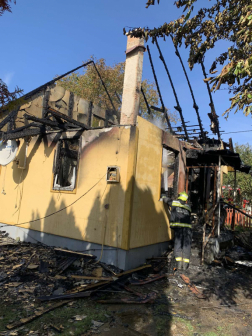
(185,206)
(180,214)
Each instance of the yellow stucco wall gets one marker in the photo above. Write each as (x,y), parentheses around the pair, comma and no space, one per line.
(133,216)
(28,192)
(149,219)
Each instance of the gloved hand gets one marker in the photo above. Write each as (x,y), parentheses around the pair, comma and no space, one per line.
(166,200)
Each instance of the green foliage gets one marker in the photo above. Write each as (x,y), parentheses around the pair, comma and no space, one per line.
(228,20)
(88,86)
(9,98)
(5,6)
(244,181)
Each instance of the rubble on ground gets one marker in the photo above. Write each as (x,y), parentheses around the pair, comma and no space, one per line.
(41,279)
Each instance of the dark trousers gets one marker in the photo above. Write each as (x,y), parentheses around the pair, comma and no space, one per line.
(182,244)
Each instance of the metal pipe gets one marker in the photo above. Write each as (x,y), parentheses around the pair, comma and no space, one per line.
(214,197)
(233,217)
(218,196)
(203,215)
(187,181)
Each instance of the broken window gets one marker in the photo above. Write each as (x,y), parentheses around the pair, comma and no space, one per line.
(66,164)
(169,173)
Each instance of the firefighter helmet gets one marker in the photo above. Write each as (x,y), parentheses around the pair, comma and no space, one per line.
(183,196)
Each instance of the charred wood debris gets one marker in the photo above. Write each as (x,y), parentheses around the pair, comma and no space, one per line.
(204,152)
(45,278)
(38,273)
(52,120)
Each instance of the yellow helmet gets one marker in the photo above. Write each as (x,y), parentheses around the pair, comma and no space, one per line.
(183,196)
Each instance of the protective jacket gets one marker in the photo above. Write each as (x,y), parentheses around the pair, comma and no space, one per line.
(180,214)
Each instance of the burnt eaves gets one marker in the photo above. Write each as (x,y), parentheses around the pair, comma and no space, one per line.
(211,157)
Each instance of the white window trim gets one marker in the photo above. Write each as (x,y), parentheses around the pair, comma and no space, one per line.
(69,188)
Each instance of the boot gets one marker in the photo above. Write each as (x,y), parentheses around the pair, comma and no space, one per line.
(179,265)
(185,266)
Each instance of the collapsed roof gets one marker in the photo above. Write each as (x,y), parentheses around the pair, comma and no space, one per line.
(211,157)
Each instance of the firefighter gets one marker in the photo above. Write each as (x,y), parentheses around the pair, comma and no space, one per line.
(180,222)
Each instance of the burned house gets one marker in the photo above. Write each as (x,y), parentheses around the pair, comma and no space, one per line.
(90,179)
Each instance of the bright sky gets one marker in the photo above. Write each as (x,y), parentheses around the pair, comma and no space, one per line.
(41,39)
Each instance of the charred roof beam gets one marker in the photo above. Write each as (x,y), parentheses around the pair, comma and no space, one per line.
(44,86)
(67,118)
(12,115)
(146,101)
(159,93)
(19,129)
(51,123)
(195,106)
(44,121)
(213,116)
(22,134)
(104,85)
(177,107)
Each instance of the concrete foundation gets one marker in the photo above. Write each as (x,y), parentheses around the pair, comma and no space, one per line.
(114,256)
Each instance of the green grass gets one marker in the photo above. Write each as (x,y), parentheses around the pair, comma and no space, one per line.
(188,325)
(242,229)
(220,331)
(58,317)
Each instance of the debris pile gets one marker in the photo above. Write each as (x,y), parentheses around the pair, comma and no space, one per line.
(32,274)
(39,279)
(29,271)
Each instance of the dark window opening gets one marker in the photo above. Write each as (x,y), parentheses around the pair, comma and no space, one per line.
(169,173)
(66,165)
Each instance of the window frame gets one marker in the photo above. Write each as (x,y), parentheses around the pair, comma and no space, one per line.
(56,152)
(176,171)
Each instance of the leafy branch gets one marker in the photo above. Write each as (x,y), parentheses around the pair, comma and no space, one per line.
(229,20)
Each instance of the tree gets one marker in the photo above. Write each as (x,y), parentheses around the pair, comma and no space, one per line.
(5,6)
(88,86)
(243,181)
(229,20)
(5,95)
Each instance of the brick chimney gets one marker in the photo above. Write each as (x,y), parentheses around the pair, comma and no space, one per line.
(132,81)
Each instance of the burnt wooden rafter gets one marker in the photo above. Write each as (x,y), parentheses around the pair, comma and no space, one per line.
(12,115)
(24,133)
(19,129)
(159,93)
(65,117)
(48,122)
(61,121)
(37,126)
(44,86)
(177,107)
(43,121)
